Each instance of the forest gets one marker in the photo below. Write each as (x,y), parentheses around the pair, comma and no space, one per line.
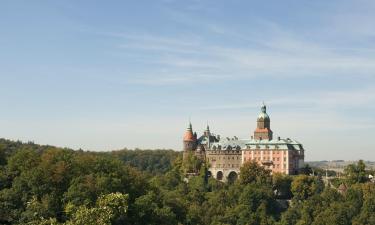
(51,185)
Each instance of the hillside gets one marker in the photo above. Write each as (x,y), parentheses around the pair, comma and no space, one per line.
(50,185)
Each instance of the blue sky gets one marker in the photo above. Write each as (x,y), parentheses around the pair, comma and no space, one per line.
(103,75)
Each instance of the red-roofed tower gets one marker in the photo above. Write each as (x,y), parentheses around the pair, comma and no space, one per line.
(189,142)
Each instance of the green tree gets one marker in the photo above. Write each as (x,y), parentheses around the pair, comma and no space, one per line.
(306,170)
(356,173)
(192,164)
(304,186)
(281,184)
(109,208)
(150,210)
(252,172)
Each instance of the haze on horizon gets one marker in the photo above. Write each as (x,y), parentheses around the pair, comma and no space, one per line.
(104,75)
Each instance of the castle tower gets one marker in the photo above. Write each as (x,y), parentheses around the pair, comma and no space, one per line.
(207,132)
(263,130)
(189,140)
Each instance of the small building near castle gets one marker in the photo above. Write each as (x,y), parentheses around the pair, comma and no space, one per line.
(225,156)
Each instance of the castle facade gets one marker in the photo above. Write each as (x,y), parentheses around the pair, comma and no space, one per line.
(226,155)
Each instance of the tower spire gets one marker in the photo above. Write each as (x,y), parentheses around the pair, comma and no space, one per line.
(264,108)
(190,127)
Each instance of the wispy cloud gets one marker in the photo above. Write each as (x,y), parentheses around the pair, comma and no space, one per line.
(279,53)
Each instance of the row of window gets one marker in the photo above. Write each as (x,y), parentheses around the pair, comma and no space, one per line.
(265,152)
(224,151)
(265,158)
(227,165)
(277,166)
(224,158)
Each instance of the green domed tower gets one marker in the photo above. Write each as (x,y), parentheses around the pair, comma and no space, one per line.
(263,130)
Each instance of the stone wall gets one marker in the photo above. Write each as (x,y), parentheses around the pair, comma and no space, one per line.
(224,163)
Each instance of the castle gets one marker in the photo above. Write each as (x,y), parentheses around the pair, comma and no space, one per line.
(226,155)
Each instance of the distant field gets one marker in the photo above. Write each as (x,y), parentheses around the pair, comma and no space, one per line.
(338,165)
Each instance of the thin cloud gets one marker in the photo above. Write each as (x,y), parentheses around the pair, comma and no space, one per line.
(287,55)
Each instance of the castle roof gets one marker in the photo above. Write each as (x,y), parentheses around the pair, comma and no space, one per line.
(237,144)
(263,114)
(189,136)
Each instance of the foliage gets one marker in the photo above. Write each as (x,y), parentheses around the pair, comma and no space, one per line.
(49,185)
(356,173)
(152,161)
(252,172)
(304,186)
(281,184)
(192,164)
(108,209)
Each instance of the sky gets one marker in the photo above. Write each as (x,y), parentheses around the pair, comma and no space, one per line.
(105,75)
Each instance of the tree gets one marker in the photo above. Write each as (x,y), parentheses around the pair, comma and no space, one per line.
(306,170)
(192,164)
(304,186)
(356,173)
(252,172)
(291,216)
(150,210)
(108,209)
(281,183)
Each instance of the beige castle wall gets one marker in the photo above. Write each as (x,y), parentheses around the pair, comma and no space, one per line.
(224,161)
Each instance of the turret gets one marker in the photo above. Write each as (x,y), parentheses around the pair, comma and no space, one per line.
(207,132)
(263,130)
(189,140)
